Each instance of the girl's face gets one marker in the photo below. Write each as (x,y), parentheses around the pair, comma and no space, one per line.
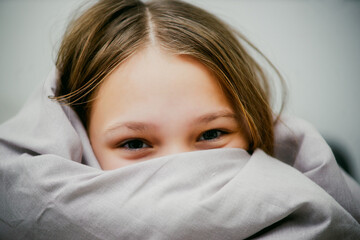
(156,104)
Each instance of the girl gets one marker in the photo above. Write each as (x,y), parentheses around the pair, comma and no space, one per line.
(160,80)
(186,46)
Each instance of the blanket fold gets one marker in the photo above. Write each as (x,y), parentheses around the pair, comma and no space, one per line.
(53,188)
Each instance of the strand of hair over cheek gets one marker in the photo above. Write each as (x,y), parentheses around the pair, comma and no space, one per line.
(245,72)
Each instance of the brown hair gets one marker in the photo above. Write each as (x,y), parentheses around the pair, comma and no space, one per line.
(112,30)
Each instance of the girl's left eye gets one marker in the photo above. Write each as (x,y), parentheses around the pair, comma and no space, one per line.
(211,135)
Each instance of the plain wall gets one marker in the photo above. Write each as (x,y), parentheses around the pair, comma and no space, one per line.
(315,45)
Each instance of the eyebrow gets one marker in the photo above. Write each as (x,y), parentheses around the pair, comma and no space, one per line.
(134,126)
(144,126)
(215,115)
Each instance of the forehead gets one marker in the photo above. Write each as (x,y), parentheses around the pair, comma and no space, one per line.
(154,83)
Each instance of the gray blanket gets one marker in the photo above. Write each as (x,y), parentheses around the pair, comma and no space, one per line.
(53,188)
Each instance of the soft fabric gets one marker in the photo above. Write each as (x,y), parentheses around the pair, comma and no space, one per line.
(53,188)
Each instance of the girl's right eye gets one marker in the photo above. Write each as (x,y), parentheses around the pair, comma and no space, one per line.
(134,145)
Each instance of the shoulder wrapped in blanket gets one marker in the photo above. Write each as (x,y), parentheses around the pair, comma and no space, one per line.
(52,186)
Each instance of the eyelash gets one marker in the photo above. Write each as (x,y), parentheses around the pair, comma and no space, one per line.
(139,140)
(220,133)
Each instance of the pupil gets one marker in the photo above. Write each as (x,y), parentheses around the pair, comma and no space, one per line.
(210,134)
(135,144)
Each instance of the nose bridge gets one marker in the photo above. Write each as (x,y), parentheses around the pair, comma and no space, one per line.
(176,147)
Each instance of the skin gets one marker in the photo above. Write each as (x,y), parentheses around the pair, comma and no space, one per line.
(156,104)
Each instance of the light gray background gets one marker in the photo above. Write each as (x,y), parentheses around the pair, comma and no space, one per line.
(315,44)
